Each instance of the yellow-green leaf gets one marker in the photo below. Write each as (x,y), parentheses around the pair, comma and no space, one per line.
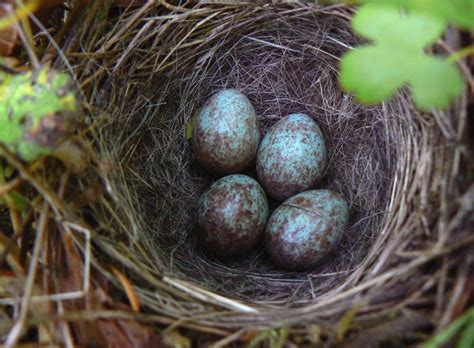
(37,111)
(19,14)
(189,128)
(346,320)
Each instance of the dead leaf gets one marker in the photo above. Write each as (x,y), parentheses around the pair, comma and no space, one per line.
(45,8)
(128,288)
(314,334)
(70,279)
(5,324)
(174,339)
(390,329)
(76,155)
(12,257)
(467,292)
(118,333)
(130,3)
(139,336)
(90,195)
(9,37)
(11,64)
(12,286)
(48,4)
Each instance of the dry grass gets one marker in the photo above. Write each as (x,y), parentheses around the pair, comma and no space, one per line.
(284,64)
(285,60)
(149,70)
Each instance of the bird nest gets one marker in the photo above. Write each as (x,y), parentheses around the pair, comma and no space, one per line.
(146,71)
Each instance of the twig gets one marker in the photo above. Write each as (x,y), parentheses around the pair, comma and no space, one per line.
(91,315)
(9,186)
(132,297)
(458,57)
(49,195)
(229,339)
(17,329)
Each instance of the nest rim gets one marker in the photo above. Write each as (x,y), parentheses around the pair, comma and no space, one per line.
(374,274)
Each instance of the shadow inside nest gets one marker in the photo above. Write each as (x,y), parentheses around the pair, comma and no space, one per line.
(283,66)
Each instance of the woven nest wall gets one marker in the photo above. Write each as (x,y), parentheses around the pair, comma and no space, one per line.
(149,70)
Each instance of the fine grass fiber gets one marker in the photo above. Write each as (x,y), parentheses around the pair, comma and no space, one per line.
(146,73)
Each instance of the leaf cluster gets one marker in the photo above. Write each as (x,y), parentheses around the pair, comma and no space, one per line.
(400,31)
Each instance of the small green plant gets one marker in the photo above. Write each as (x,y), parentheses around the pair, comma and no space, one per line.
(274,338)
(464,326)
(400,31)
(13,198)
(37,110)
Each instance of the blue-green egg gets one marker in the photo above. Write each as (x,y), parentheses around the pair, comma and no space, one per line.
(225,134)
(291,157)
(232,215)
(305,228)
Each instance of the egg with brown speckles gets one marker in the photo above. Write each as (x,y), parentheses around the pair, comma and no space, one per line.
(305,228)
(291,157)
(226,135)
(232,215)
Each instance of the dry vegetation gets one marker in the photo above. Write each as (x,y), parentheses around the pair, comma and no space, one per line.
(406,257)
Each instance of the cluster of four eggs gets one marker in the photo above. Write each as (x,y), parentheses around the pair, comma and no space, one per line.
(290,159)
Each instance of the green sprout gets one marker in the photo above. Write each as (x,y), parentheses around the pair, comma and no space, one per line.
(462,326)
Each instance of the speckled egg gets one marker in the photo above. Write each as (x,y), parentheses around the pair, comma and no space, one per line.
(226,135)
(291,157)
(232,215)
(305,228)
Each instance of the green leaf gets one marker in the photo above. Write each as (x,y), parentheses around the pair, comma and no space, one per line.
(20,201)
(6,171)
(261,337)
(466,339)
(447,333)
(370,73)
(385,24)
(280,339)
(189,128)
(457,12)
(37,110)
(346,320)
(396,59)
(435,82)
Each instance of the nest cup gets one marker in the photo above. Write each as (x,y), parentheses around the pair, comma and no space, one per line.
(161,65)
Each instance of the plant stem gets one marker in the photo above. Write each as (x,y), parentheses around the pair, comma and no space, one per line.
(462,53)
